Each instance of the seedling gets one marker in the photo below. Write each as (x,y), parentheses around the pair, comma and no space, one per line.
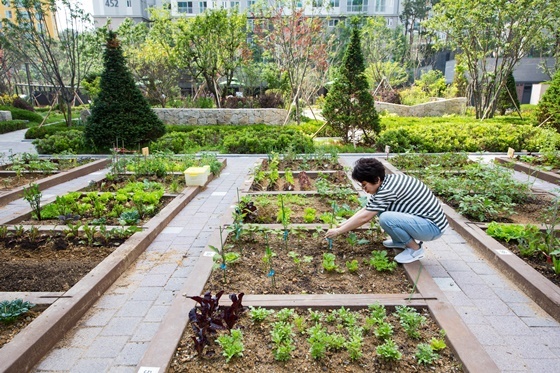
(352,266)
(353,240)
(33,195)
(354,344)
(283,337)
(410,320)
(377,312)
(381,262)
(222,259)
(437,344)
(11,310)
(259,314)
(284,218)
(425,354)
(384,330)
(267,260)
(389,351)
(309,215)
(231,344)
(298,260)
(285,314)
(329,263)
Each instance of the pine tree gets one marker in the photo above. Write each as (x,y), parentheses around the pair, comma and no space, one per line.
(349,106)
(549,106)
(508,96)
(120,112)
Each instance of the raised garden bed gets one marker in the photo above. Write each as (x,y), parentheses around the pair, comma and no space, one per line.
(315,162)
(304,264)
(326,340)
(29,345)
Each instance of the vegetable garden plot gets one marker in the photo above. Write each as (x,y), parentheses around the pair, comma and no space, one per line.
(130,205)
(299,261)
(316,162)
(9,329)
(33,260)
(298,208)
(288,181)
(376,339)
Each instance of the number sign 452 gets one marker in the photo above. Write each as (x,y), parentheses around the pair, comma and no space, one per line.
(112,3)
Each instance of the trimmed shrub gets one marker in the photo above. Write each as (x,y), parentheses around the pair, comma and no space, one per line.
(271,100)
(120,111)
(71,141)
(12,125)
(51,129)
(22,114)
(251,141)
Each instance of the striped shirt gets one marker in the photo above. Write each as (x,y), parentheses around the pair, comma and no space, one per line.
(402,193)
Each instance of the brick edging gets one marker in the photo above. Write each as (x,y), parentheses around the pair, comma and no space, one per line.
(550,177)
(30,345)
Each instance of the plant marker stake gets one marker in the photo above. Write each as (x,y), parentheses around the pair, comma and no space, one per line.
(223,265)
(415,282)
(330,241)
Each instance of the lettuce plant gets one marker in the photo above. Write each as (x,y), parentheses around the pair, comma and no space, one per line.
(231,344)
(11,310)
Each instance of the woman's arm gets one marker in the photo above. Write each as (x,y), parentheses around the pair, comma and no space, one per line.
(360,218)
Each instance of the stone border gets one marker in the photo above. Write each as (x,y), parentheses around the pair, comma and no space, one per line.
(161,349)
(59,178)
(30,345)
(537,287)
(550,177)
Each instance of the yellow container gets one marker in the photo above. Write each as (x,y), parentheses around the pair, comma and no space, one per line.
(197,176)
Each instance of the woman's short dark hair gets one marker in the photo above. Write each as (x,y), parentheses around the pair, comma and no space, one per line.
(368,169)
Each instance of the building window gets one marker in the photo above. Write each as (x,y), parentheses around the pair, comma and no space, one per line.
(250,4)
(335,3)
(250,25)
(317,3)
(185,7)
(202,5)
(357,5)
(129,3)
(390,22)
(333,22)
(379,6)
(234,4)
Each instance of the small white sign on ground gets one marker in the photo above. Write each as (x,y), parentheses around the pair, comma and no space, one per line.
(209,253)
(148,370)
(170,230)
(216,194)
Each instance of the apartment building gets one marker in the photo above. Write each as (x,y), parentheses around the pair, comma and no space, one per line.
(119,10)
(8,11)
(333,10)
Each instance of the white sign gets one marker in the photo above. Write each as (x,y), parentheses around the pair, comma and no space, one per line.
(148,370)
(510,152)
(504,252)
(209,253)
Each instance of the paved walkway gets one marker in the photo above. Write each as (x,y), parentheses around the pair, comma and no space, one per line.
(116,331)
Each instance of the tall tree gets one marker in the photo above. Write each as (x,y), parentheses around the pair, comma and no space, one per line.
(492,35)
(120,112)
(57,54)
(349,106)
(213,45)
(297,43)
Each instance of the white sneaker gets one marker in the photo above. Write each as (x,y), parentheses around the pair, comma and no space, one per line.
(390,244)
(409,255)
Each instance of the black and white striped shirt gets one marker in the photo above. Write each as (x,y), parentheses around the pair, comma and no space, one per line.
(402,193)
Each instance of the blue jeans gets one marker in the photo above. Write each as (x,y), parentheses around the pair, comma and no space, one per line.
(405,227)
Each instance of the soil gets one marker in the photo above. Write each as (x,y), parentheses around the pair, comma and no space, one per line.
(9,331)
(8,183)
(50,263)
(250,275)
(301,165)
(302,182)
(258,351)
(268,207)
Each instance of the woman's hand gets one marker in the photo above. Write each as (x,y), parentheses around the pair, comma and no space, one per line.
(331,233)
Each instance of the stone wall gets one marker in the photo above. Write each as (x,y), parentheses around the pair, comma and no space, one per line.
(5,115)
(221,116)
(216,116)
(428,109)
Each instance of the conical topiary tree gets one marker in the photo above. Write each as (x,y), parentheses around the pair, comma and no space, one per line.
(549,106)
(349,106)
(508,96)
(120,111)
